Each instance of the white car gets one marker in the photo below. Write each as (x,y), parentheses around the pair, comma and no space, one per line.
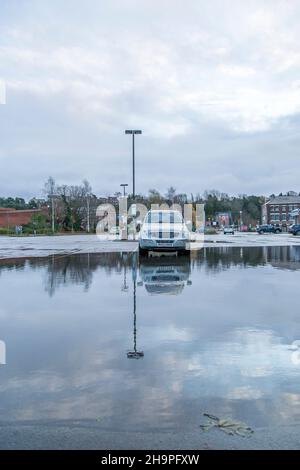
(164,230)
(228,229)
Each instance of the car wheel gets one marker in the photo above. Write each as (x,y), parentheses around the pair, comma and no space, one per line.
(277,231)
(143,252)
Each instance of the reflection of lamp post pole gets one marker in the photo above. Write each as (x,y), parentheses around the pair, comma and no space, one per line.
(125,287)
(135,354)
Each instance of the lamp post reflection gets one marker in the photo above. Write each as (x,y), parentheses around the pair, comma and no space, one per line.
(125,287)
(134,354)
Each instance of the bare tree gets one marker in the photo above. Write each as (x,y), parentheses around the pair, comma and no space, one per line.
(154,196)
(49,186)
(170,194)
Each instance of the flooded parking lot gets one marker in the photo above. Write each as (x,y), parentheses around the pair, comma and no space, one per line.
(151,344)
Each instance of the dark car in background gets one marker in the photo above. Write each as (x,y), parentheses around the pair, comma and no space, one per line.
(268,228)
(295,229)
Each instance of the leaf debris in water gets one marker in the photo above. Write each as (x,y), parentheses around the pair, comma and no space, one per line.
(227,425)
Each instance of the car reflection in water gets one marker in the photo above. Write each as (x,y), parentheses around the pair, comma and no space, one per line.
(165,274)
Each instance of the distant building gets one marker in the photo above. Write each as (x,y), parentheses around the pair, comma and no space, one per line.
(223,218)
(281,210)
(296,216)
(10,218)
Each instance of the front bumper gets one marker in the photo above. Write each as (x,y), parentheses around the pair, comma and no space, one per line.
(163,245)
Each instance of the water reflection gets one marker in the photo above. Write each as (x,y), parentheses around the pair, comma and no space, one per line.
(215,332)
(165,275)
(159,274)
(134,353)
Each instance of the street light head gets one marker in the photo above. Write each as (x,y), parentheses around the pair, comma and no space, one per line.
(133,131)
(135,354)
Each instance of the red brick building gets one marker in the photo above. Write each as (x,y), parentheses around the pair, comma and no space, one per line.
(9,217)
(279,209)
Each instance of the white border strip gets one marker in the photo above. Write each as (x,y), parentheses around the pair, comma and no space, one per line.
(2,353)
(2,92)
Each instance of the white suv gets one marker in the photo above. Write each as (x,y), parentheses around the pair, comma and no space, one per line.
(228,229)
(164,230)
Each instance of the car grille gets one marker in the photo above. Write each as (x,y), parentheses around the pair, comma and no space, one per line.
(168,278)
(164,235)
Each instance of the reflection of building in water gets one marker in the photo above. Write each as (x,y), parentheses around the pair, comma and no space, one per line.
(283,257)
(165,275)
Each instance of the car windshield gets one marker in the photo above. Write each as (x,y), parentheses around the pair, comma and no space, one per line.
(164,217)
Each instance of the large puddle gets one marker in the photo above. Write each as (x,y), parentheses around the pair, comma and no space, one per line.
(139,345)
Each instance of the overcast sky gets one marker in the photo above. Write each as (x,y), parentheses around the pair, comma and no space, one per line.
(214,85)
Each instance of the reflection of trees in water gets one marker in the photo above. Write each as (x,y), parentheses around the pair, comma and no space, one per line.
(219,259)
(71,269)
(65,270)
(79,268)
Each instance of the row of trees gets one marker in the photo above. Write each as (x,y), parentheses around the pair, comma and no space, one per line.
(215,201)
(19,203)
(74,206)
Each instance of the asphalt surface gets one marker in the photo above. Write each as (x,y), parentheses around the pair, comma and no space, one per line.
(87,434)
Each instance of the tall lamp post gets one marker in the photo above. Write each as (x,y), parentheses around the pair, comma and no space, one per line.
(52,197)
(88,212)
(133,132)
(124,186)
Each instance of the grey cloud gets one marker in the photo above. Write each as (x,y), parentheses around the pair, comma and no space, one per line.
(214,86)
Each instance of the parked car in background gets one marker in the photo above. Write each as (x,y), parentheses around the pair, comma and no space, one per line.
(163,230)
(268,228)
(295,229)
(228,229)
(290,229)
